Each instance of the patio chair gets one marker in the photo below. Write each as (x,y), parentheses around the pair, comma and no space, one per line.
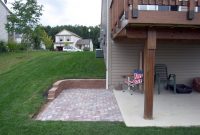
(161,75)
(134,79)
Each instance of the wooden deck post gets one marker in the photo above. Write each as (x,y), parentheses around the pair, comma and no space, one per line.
(149,62)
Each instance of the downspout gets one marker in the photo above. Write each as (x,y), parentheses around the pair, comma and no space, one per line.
(107,47)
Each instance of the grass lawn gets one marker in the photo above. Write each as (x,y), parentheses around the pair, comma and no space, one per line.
(24,77)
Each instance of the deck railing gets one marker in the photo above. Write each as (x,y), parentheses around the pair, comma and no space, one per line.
(124,9)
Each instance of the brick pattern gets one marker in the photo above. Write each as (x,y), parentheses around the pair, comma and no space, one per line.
(59,86)
(83,105)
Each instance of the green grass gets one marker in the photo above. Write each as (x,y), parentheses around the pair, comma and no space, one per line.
(25,77)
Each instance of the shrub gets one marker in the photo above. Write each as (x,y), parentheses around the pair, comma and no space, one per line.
(13,46)
(22,47)
(3,47)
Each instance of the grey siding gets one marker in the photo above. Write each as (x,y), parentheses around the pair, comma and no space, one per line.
(181,58)
(3,20)
(124,58)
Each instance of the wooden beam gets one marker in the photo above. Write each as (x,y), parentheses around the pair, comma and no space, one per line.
(149,62)
(152,2)
(136,33)
(165,18)
(165,2)
(126,8)
(172,2)
(159,2)
(151,39)
(177,3)
(135,11)
(145,2)
(191,7)
(184,34)
(165,33)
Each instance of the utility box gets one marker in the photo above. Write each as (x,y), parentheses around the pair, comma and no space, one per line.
(99,53)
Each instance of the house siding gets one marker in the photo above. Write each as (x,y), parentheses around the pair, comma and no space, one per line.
(3,20)
(124,58)
(182,59)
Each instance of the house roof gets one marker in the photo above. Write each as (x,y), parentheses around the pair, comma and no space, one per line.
(5,6)
(66,32)
(83,42)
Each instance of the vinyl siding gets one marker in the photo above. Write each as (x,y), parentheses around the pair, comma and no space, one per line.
(3,20)
(182,59)
(124,58)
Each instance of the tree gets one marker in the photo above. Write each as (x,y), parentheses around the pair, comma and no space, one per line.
(24,18)
(48,42)
(36,37)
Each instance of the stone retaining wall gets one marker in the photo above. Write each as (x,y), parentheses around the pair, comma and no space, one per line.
(61,85)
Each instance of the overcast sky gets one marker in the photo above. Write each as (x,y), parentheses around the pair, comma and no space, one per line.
(64,12)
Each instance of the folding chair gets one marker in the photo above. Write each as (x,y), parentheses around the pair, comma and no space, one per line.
(134,79)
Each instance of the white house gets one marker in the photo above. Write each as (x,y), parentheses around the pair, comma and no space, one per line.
(4,12)
(65,37)
(85,43)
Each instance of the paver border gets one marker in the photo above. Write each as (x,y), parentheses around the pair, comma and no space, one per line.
(61,85)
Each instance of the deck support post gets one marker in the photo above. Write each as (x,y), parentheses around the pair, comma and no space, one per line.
(149,62)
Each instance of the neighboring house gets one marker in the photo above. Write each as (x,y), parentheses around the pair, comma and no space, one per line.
(138,34)
(85,44)
(4,12)
(65,37)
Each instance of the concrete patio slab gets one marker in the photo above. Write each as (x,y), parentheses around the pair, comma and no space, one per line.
(82,105)
(169,109)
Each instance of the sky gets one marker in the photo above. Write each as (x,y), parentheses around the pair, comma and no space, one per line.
(69,12)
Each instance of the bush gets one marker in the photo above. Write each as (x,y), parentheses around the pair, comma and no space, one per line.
(3,47)
(13,46)
(22,47)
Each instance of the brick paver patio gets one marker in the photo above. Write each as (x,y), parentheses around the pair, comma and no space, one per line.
(83,105)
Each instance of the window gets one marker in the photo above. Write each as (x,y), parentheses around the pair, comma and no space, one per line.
(67,38)
(164,8)
(61,38)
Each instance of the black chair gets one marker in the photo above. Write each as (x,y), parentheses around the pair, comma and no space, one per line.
(161,75)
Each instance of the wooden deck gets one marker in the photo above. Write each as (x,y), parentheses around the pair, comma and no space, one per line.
(127,13)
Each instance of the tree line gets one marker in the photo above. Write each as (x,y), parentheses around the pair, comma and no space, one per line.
(24,20)
(91,32)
